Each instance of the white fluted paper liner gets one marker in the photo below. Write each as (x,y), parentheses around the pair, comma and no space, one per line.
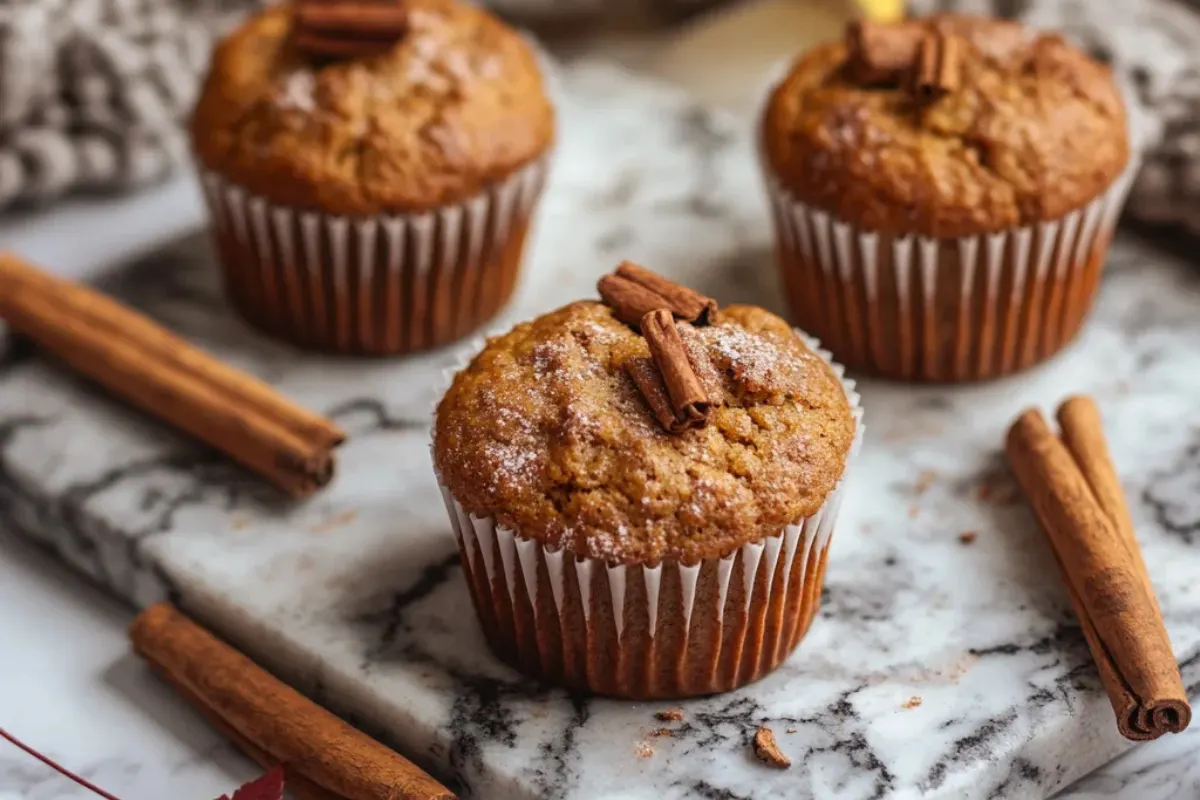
(378,285)
(791,565)
(941,309)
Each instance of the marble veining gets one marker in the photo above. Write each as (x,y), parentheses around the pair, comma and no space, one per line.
(937,667)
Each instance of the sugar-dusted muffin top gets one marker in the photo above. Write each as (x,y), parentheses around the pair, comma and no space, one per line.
(457,103)
(547,432)
(1035,130)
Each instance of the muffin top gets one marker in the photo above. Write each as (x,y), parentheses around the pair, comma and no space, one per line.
(546,431)
(457,103)
(1034,129)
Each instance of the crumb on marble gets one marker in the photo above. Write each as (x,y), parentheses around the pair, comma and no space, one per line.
(996,489)
(670,715)
(961,667)
(924,481)
(767,749)
(239,522)
(336,521)
(659,732)
(967,537)
(913,510)
(911,702)
(643,750)
(790,730)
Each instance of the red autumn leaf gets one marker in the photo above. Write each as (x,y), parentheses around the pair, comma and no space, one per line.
(268,787)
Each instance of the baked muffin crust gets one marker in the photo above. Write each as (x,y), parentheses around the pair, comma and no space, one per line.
(456,104)
(1036,130)
(546,431)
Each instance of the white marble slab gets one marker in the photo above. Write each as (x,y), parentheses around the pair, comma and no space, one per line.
(356,596)
(66,653)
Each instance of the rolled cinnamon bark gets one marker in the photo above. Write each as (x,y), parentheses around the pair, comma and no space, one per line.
(1083,435)
(323,756)
(1103,570)
(165,375)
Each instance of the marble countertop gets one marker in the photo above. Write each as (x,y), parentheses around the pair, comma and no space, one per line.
(69,686)
(71,689)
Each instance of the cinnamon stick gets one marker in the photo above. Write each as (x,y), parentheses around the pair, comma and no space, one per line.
(936,71)
(633,291)
(323,756)
(161,373)
(881,52)
(347,28)
(650,386)
(1083,436)
(372,20)
(297,785)
(688,402)
(1108,585)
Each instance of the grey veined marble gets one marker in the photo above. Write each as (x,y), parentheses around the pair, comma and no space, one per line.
(936,668)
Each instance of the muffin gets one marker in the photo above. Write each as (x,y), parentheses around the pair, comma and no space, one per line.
(606,552)
(943,193)
(371,169)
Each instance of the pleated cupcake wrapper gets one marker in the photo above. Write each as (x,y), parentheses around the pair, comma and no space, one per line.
(951,309)
(606,619)
(378,285)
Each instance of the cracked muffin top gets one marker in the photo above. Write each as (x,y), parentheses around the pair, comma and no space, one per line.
(457,103)
(546,431)
(1034,130)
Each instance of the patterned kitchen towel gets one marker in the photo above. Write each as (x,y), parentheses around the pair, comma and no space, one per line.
(93,92)
(1154,47)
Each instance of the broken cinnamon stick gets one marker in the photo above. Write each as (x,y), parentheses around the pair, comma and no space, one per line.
(324,756)
(881,52)
(936,70)
(632,292)
(1107,583)
(688,402)
(159,372)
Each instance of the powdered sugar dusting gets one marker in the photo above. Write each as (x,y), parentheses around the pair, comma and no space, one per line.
(750,359)
(441,66)
(298,91)
(512,454)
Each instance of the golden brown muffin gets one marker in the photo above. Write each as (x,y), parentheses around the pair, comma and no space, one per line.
(456,104)
(609,554)
(952,236)
(1036,129)
(546,431)
(377,202)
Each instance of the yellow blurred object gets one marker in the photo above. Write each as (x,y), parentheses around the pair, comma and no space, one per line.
(726,57)
(882,10)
